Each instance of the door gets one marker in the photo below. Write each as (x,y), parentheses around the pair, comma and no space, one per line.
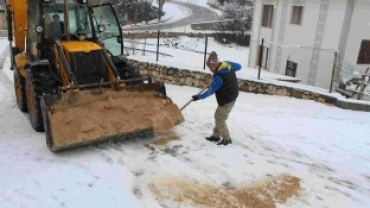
(107,28)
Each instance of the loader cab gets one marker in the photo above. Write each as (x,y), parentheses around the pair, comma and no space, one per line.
(81,21)
(63,34)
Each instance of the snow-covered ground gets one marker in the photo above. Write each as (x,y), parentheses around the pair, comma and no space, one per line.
(327,148)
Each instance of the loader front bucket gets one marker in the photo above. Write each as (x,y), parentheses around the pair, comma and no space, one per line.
(90,116)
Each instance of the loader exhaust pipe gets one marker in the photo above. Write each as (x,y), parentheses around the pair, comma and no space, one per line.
(66,19)
(9,20)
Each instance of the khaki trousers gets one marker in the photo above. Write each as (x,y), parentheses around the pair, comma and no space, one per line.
(221,115)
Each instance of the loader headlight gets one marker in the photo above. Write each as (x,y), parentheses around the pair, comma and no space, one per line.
(39,28)
(82,1)
(119,39)
(101,28)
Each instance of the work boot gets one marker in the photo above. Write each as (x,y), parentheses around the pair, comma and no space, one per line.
(213,139)
(224,142)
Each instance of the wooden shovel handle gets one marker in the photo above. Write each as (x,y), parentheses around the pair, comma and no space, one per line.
(188,103)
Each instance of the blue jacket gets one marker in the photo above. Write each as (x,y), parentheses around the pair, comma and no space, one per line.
(217,82)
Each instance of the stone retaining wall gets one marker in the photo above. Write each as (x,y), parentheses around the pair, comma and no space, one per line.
(184,77)
(216,26)
(224,37)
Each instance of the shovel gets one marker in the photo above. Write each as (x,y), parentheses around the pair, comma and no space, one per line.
(200,92)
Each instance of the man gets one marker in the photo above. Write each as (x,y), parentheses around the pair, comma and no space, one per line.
(212,59)
(225,86)
(55,29)
(81,34)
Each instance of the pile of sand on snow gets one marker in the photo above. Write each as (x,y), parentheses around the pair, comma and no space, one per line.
(85,116)
(264,194)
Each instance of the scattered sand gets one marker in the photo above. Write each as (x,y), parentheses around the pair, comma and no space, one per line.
(198,195)
(162,139)
(84,117)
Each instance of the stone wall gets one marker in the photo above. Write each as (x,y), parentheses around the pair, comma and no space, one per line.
(184,77)
(222,37)
(217,25)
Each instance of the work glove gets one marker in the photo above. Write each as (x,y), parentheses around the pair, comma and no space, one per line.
(195,97)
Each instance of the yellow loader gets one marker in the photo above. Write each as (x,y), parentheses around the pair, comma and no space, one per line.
(70,75)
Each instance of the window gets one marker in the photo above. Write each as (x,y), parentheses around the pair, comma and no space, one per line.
(364,54)
(291,68)
(268,12)
(296,15)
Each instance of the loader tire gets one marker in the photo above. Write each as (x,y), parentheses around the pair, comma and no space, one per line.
(127,70)
(33,90)
(38,81)
(20,91)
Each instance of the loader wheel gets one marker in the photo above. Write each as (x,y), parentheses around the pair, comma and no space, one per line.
(160,87)
(34,92)
(40,80)
(20,91)
(127,70)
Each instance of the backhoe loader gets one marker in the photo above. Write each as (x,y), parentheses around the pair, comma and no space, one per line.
(70,75)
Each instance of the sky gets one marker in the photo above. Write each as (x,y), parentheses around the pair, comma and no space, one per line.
(326,147)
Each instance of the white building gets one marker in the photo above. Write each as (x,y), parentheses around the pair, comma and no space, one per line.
(2,16)
(301,37)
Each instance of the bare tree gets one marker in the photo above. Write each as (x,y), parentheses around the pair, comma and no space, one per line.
(160,7)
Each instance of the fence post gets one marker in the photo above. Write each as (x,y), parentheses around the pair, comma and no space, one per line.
(260,60)
(157,46)
(333,70)
(146,36)
(205,53)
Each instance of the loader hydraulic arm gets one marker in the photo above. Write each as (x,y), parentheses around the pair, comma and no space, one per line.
(17,19)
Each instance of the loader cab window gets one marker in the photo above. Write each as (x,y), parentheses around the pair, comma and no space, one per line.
(79,22)
(111,37)
(80,25)
(55,27)
(54,21)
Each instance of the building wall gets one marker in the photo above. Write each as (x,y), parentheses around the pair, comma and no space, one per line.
(299,39)
(255,39)
(359,30)
(334,19)
(259,33)
(303,34)
(330,42)
(312,44)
